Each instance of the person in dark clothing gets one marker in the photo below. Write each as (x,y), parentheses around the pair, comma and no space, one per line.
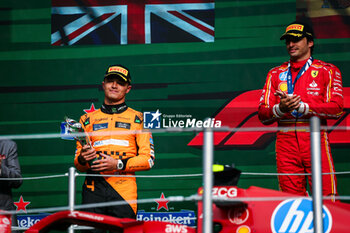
(9,168)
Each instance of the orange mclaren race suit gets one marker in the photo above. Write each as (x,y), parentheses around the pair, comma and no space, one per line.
(116,131)
(321,92)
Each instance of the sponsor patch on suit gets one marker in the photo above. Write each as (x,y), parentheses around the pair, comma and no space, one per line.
(87,121)
(122,125)
(100,126)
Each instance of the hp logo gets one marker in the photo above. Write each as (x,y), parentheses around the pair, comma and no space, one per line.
(296,215)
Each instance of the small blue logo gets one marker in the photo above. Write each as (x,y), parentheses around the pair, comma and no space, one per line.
(283,76)
(296,114)
(151,120)
(100,126)
(296,215)
(65,134)
(29,220)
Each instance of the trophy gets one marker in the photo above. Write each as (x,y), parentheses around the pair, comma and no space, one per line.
(71,126)
(74,127)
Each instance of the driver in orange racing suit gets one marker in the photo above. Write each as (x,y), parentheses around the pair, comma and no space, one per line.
(116,147)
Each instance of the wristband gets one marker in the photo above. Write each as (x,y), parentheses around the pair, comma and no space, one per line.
(303,108)
(276,111)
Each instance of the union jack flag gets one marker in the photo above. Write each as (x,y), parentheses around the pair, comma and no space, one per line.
(131,21)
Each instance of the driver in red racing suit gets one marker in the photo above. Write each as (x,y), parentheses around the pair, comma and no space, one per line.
(118,146)
(317,92)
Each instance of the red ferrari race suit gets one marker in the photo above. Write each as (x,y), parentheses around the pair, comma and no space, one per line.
(116,131)
(321,91)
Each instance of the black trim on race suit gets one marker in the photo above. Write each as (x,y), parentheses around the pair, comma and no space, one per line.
(111,109)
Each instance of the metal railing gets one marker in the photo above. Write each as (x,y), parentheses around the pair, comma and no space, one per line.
(208,155)
(208,149)
(315,137)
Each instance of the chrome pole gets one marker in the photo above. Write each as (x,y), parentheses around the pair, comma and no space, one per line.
(315,137)
(208,152)
(71,193)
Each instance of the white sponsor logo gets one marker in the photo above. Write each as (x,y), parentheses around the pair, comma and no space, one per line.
(211,122)
(313,84)
(238,216)
(315,93)
(224,192)
(337,89)
(111,142)
(6,221)
(337,84)
(151,163)
(76,214)
(183,217)
(175,228)
(336,93)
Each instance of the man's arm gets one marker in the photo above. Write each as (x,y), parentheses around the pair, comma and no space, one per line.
(289,103)
(10,167)
(333,103)
(85,153)
(269,110)
(145,157)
